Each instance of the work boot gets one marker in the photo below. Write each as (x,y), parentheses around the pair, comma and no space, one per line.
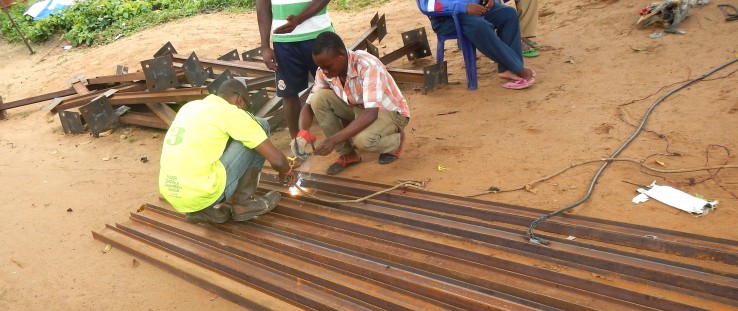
(212,214)
(244,204)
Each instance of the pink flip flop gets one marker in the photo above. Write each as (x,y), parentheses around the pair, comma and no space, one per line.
(519,84)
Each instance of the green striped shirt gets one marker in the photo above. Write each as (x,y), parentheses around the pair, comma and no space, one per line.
(308,30)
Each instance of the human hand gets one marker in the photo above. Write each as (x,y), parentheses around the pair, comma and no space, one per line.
(267,54)
(288,179)
(489,4)
(298,145)
(289,26)
(475,9)
(325,148)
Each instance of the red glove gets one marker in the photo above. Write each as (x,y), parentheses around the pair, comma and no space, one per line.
(300,141)
(306,135)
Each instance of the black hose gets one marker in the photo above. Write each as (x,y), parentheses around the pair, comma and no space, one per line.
(533,238)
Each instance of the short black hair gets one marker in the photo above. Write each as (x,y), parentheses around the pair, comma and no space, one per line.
(232,87)
(328,42)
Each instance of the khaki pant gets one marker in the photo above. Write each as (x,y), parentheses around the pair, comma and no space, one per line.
(382,136)
(528,11)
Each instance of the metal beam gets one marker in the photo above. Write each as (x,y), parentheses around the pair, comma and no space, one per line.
(118,78)
(377,30)
(37,99)
(151,97)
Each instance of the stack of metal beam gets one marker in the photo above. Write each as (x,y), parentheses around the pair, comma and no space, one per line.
(150,97)
(415,250)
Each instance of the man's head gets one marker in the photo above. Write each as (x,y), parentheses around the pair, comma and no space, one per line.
(234,92)
(329,53)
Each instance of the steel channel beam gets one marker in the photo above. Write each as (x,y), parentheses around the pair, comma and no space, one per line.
(432,274)
(227,288)
(411,76)
(286,287)
(377,30)
(379,270)
(370,291)
(260,82)
(399,53)
(80,100)
(37,99)
(480,254)
(249,68)
(671,242)
(659,273)
(361,209)
(453,294)
(166,96)
(519,288)
(143,119)
(126,77)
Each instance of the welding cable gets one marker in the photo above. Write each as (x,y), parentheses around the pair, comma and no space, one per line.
(537,240)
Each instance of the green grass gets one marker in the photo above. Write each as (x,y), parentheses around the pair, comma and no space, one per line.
(98,22)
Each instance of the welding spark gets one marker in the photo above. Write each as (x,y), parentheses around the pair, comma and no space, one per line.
(293,189)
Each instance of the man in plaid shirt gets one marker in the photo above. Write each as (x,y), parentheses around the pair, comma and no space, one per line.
(357,104)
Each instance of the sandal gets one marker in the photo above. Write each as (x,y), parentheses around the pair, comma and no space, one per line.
(532,44)
(530,53)
(519,84)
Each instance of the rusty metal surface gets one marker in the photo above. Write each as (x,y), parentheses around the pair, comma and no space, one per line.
(118,78)
(412,250)
(37,99)
(148,119)
(79,100)
(153,97)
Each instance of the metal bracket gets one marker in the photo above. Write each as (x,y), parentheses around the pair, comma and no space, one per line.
(258,99)
(381,23)
(417,35)
(71,122)
(3,114)
(194,71)
(213,86)
(434,76)
(372,49)
(99,115)
(167,48)
(377,30)
(253,55)
(232,55)
(160,73)
(120,69)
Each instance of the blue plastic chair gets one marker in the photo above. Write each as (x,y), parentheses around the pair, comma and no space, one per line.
(467,48)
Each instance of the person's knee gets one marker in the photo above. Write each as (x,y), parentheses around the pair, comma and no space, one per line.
(366,141)
(508,14)
(321,98)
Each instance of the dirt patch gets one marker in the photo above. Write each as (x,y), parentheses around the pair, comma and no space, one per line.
(597,76)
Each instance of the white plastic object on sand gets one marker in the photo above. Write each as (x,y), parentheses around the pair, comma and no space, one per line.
(675,198)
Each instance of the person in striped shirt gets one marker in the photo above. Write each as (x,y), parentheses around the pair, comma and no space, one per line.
(357,104)
(292,26)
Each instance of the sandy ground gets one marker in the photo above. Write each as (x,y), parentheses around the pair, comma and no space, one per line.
(597,76)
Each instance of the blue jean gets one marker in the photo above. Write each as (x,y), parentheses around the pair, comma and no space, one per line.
(496,34)
(237,159)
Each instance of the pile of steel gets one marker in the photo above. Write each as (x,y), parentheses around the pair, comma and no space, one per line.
(415,250)
(150,97)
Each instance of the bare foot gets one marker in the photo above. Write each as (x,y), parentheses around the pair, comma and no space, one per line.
(507,74)
(527,74)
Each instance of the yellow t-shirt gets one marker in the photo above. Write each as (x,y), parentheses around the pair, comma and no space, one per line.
(192,177)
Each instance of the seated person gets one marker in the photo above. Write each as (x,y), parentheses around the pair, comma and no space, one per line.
(213,153)
(357,104)
(494,30)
